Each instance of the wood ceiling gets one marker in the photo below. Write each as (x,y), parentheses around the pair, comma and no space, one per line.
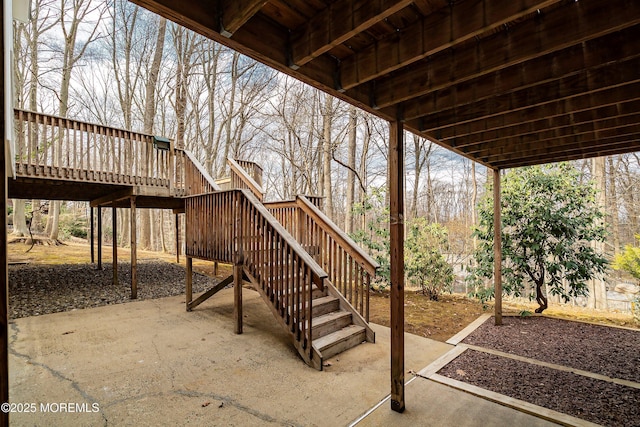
(507,83)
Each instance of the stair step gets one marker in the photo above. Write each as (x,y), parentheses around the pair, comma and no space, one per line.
(324,305)
(340,341)
(331,322)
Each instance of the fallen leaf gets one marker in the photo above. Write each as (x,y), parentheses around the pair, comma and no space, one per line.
(461,372)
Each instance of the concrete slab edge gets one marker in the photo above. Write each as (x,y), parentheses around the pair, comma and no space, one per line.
(454,340)
(519,405)
(440,362)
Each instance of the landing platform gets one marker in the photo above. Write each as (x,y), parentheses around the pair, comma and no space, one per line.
(152,363)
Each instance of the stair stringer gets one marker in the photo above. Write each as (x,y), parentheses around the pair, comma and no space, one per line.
(315,359)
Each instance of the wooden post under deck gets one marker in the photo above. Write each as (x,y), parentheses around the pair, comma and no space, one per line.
(396,202)
(237,293)
(497,247)
(189,282)
(178,239)
(114,228)
(134,258)
(92,237)
(99,267)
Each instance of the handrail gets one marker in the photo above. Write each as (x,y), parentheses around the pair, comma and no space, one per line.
(340,236)
(244,180)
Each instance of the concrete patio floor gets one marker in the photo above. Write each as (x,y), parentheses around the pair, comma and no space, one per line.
(152,363)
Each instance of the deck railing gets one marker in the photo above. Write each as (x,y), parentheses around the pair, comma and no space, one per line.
(224,224)
(59,148)
(52,147)
(350,269)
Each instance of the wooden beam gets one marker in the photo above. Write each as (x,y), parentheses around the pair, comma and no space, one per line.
(432,34)
(99,266)
(558,108)
(235,13)
(211,292)
(134,251)
(469,136)
(113,197)
(396,201)
(570,148)
(336,24)
(565,26)
(591,82)
(114,228)
(595,56)
(545,140)
(497,247)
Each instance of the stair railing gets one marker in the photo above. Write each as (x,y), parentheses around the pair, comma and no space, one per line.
(349,267)
(189,176)
(221,225)
(240,178)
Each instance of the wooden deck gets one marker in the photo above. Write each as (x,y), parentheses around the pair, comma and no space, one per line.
(63,159)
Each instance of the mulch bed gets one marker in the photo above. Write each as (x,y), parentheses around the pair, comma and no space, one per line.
(43,289)
(613,352)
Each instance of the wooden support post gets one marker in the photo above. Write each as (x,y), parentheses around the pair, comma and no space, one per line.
(4,281)
(215,268)
(497,247)
(114,232)
(178,239)
(99,209)
(134,258)
(396,202)
(93,234)
(189,281)
(237,293)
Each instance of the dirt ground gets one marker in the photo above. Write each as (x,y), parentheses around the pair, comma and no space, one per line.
(440,320)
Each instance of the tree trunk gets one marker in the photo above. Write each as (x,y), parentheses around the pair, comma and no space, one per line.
(327,148)
(351,176)
(19,219)
(541,299)
(598,292)
(613,206)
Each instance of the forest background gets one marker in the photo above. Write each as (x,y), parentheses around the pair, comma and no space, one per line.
(113,63)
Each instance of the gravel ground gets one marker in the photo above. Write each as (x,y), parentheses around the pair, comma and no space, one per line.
(598,349)
(43,289)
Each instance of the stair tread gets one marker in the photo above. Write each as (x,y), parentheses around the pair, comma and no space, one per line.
(338,336)
(324,300)
(329,317)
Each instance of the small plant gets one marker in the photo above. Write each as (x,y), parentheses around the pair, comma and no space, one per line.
(375,237)
(425,264)
(629,260)
(524,313)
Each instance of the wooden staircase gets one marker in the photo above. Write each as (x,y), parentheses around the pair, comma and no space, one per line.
(319,296)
